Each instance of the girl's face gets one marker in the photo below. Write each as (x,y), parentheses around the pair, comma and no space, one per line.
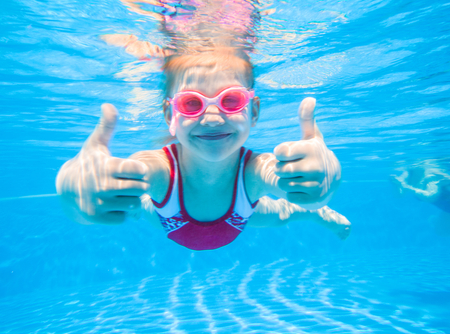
(214,135)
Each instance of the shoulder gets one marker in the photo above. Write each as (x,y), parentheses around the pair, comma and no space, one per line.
(159,171)
(150,156)
(259,174)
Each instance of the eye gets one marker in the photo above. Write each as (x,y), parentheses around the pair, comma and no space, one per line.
(233,101)
(193,104)
(190,104)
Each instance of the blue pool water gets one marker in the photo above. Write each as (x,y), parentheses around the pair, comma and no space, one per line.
(380,71)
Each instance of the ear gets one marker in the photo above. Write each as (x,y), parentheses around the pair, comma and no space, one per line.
(255,110)
(167,112)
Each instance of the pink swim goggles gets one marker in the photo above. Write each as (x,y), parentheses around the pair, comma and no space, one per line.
(193,104)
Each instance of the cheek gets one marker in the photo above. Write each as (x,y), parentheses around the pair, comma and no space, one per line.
(186,123)
(240,119)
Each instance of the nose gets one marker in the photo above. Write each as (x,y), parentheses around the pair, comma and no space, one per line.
(212,117)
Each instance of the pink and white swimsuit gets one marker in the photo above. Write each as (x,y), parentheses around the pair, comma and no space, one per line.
(194,234)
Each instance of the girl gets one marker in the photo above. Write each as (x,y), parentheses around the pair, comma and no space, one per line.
(205,188)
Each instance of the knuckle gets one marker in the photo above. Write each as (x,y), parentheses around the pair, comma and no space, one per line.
(311,166)
(110,185)
(283,150)
(120,184)
(287,168)
(105,186)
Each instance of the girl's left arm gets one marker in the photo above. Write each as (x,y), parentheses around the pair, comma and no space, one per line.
(304,172)
(274,213)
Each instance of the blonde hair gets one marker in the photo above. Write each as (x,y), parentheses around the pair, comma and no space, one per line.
(219,58)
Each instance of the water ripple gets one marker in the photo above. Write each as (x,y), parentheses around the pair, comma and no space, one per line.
(281,297)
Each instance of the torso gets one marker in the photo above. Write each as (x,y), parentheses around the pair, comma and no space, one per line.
(214,192)
(159,178)
(213,218)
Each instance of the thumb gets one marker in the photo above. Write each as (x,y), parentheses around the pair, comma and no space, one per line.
(306,115)
(105,127)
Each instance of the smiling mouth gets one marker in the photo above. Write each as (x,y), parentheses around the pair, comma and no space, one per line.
(214,136)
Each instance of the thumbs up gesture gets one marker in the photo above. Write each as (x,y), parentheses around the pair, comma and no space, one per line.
(96,187)
(308,171)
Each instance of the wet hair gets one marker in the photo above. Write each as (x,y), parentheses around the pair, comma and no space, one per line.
(221,59)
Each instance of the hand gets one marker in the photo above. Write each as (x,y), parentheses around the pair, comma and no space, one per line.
(96,187)
(135,47)
(309,172)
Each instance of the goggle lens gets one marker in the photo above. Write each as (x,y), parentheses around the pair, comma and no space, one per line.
(193,104)
(189,104)
(233,101)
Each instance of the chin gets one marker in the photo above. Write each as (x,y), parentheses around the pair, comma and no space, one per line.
(218,150)
(215,154)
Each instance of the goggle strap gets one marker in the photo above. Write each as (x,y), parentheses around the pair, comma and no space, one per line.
(173,123)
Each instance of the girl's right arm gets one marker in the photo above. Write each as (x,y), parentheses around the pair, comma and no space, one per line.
(97,188)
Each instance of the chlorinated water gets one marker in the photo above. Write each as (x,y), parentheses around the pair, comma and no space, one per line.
(380,73)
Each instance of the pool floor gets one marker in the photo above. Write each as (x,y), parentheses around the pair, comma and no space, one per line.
(397,291)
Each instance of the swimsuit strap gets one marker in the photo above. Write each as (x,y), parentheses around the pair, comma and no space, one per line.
(243,206)
(173,202)
(218,220)
(170,206)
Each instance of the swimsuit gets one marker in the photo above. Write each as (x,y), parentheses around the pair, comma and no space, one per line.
(193,234)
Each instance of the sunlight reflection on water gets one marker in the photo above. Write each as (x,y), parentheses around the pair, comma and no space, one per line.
(350,296)
(379,71)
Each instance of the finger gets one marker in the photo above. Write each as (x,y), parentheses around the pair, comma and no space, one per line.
(124,187)
(298,169)
(121,203)
(288,151)
(306,115)
(299,185)
(127,168)
(105,127)
(294,150)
